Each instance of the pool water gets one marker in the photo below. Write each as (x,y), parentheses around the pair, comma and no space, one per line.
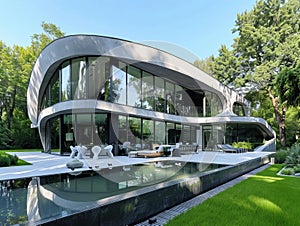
(25,201)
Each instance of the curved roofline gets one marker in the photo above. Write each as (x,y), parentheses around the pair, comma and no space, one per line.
(83,45)
(125,40)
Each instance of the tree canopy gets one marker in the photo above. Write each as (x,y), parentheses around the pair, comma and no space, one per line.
(15,68)
(265,53)
(264,56)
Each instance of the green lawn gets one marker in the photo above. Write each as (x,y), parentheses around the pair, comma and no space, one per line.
(20,162)
(21,150)
(263,199)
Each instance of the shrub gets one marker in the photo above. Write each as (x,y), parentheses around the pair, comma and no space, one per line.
(288,171)
(7,160)
(242,144)
(280,156)
(293,157)
(297,169)
(14,160)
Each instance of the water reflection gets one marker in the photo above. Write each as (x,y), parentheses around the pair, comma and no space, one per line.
(27,201)
(32,200)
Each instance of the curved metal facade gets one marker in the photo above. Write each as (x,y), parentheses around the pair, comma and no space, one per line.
(150,59)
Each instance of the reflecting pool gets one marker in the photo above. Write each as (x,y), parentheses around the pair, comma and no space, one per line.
(38,199)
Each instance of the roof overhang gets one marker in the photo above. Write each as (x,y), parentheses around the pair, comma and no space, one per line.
(146,57)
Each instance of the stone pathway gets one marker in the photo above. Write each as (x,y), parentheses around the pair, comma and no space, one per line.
(163,217)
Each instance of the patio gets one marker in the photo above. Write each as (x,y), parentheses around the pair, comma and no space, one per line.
(49,164)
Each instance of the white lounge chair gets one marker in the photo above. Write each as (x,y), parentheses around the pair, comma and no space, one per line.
(81,151)
(96,151)
(73,151)
(108,150)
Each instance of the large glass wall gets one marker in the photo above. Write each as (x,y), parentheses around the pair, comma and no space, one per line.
(159,94)
(170,98)
(112,80)
(148,91)
(78,79)
(229,133)
(123,129)
(134,86)
(79,129)
(159,132)
(51,95)
(119,82)
(65,81)
(148,133)
(144,133)
(99,78)
(135,132)
(213,104)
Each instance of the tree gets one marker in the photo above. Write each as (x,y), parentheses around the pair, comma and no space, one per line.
(204,65)
(15,68)
(260,53)
(39,41)
(288,85)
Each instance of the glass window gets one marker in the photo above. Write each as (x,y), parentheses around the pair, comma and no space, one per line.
(148,133)
(67,132)
(178,99)
(119,83)
(99,78)
(123,128)
(171,133)
(134,86)
(198,99)
(213,104)
(51,95)
(179,133)
(55,135)
(65,82)
(193,134)
(159,94)
(148,92)
(100,131)
(135,132)
(78,78)
(170,88)
(186,133)
(84,133)
(46,98)
(160,132)
(208,142)
(55,88)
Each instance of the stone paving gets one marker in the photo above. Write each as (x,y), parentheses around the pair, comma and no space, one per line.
(43,164)
(163,217)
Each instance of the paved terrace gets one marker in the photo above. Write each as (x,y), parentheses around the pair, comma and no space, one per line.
(43,164)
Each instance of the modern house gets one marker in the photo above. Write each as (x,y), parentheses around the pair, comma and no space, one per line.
(93,90)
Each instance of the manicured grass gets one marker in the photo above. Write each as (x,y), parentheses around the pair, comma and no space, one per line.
(21,150)
(20,161)
(263,199)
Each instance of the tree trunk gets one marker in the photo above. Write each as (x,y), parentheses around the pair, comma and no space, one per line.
(280,117)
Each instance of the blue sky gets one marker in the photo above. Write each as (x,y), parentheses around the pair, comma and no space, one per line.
(198,26)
